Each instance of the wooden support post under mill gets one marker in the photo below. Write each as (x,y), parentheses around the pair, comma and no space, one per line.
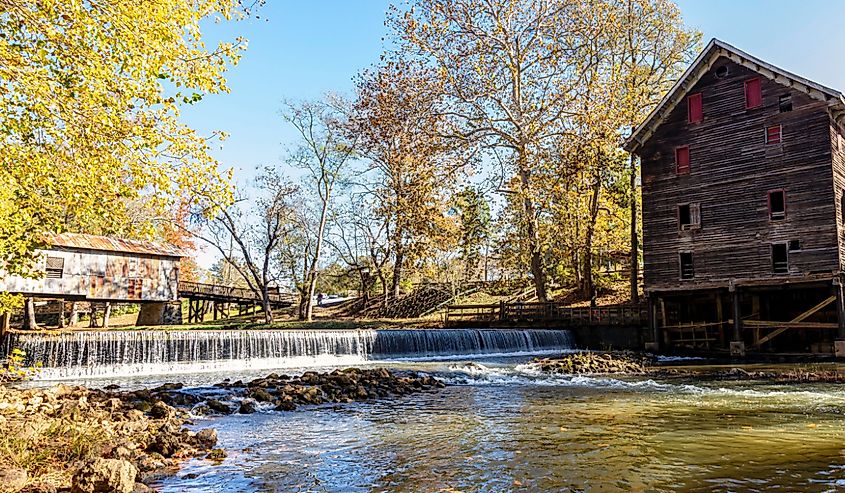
(737,343)
(653,324)
(839,343)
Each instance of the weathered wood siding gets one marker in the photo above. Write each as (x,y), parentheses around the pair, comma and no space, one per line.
(106,276)
(732,170)
(837,138)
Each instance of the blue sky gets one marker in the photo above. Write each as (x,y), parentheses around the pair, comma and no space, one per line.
(304,48)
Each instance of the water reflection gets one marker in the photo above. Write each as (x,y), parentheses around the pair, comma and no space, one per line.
(500,434)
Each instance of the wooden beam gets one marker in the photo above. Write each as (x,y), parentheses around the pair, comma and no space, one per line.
(786,326)
(763,324)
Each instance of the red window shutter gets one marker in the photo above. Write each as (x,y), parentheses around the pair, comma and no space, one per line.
(694,108)
(682,162)
(773,134)
(753,94)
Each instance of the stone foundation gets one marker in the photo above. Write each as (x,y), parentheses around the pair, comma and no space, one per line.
(160,313)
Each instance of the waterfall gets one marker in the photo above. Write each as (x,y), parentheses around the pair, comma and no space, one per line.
(134,352)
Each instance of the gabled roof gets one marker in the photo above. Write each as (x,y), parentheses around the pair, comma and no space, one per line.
(703,64)
(79,241)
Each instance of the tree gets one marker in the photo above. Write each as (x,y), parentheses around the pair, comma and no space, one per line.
(89,114)
(359,239)
(324,152)
(507,72)
(256,243)
(654,47)
(474,217)
(411,164)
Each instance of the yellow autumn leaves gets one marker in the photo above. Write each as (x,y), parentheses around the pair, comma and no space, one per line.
(90,96)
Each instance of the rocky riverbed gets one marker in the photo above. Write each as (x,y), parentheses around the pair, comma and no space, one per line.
(589,362)
(634,363)
(79,440)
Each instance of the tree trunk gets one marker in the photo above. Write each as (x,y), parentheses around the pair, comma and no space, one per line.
(74,314)
(635,244)
(29,322)
(588,289)
(92,316)
(366,283)
(265,305)
(5,318)
(397,273)
(538,269)
(61,323)
(301,308)
(383,281)
(106,314)
(312,281)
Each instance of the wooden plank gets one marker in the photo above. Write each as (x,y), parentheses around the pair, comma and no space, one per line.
(797,319)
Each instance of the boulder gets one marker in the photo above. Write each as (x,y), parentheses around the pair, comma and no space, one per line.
(207,438)
(216,454)
(246,407)
(218,406)
(161,410)
(261,395)
(105,476)
(12,480)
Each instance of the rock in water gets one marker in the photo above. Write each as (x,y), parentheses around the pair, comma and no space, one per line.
(105,476)
(207,438)
(12,480)
(246,407)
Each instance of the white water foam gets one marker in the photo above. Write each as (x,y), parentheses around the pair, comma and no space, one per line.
(527,374)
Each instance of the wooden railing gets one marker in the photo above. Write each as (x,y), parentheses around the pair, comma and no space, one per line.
(229,293)
(546,313)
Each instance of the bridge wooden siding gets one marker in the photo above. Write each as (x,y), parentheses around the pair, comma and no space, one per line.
(217,299)
(545,314)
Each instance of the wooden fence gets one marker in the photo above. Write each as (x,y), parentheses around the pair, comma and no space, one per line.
(545,314)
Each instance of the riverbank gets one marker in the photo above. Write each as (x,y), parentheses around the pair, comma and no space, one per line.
(646,364)
(79,440)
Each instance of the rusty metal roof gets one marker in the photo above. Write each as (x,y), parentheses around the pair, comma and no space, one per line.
(107,244)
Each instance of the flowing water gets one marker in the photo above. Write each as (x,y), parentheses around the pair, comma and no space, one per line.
(502,427)
(131,353)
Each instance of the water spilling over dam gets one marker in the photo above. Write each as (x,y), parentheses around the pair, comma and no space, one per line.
(133,352)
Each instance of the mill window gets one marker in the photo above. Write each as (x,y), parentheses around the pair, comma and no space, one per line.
(780,258)
(694,108)
(777,205)
(55,267)
(686,265)
(753,94)
(794,245)
(773,134)
(682,160)
(689,217)
(785,103)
